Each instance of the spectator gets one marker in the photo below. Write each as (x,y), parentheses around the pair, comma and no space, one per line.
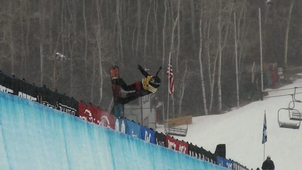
(268,164)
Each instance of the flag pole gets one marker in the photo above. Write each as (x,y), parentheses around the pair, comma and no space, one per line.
(168,105)
(264,151)
(168,108)
(236,61)
(261,57)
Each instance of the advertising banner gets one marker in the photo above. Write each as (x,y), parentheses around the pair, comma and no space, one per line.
(93,111)
(25,90)
(147,135)
(6,83)
(67,104)
(224,162)
(107,119)
(208,156)
(171,143)
(133,129)
(84,112)
(48,97)
(160,139)
(183,147)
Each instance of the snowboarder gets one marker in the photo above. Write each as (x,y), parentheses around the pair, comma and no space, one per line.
(141,88)
(268,164)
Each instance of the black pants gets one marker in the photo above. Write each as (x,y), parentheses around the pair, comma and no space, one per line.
(126,87)
(129,96)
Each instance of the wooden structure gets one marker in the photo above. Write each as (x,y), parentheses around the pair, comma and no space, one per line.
(177,126)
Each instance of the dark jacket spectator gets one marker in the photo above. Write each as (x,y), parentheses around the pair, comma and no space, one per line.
(268,164)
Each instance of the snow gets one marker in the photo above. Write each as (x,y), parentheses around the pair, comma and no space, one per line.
(35,137)
(23,136)
(241,131)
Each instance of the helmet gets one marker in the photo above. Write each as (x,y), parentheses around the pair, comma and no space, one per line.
(155,82)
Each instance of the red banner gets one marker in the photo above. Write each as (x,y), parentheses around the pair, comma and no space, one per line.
(183,147)
(84,112)
(96,115)
(93,110)
(177,145)
(171,143)
(106,119)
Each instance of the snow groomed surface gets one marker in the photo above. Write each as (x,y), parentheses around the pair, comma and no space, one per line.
(33,136)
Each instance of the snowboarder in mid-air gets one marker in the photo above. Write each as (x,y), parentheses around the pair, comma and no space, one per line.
(140,88)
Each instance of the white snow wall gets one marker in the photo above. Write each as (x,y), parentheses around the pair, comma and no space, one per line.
(33,136)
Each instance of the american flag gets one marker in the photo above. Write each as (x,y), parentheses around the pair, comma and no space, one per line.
(264,135)
(170,77)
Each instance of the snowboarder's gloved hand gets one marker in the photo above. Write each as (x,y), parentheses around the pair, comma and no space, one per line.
(140,67)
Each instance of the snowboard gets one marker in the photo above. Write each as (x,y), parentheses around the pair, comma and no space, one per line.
(116,89)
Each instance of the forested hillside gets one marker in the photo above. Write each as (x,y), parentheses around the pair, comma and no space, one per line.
(69,45)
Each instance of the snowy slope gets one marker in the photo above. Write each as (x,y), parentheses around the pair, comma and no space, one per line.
(241,131)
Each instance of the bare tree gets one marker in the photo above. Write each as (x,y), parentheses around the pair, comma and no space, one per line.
(42,34)
(11,41)
(55,72)
(201,63)
(99,48)
(222,44)
(86,40)
(287,32)
(146,33)
(220,56)
(72,42)
(24,21)
(242,35)
(155,30)
(182,88)
(139,11)
(119,31)
(172,48)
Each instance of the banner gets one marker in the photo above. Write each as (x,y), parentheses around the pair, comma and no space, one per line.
(133,129)
(183,147)
(107,119)
(25,90)
(171,143)
(170,77)
(84,112)
(207,156)
(147,135)
(160,139)
(194,151)
(264,132)
(238,166)
(67,104)
(48,97)
(224,162)
(6,83)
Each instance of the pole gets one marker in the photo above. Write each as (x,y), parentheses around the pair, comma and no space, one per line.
(168,105)
(142,113)
(261,65)
(264,151)
(168,108)
(236,58)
